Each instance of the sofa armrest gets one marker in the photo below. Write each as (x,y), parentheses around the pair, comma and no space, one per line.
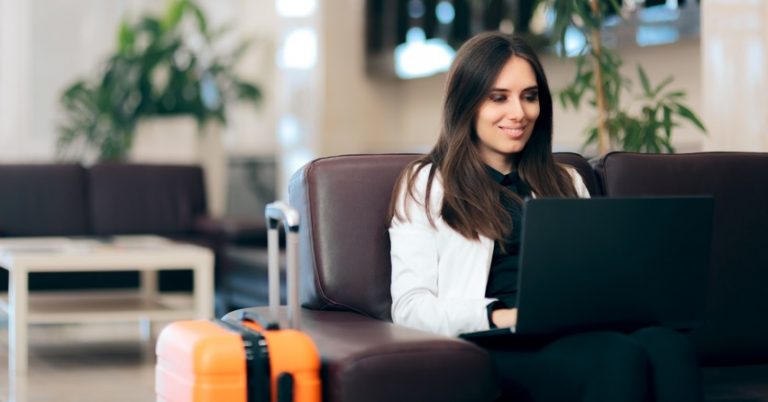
(365,359)
(232,230)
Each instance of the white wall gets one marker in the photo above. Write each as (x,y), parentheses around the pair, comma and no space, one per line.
(418,102)
(46,45)
(375,114)
(734,58)
(360,113)
(49,44)
(358,110)
(14,64)
(251,131)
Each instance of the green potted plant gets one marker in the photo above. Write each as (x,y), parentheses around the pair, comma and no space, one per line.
(164,65)
(643,127)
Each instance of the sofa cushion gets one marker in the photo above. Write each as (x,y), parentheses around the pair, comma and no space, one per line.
(143,198)
(343,238)
(243,280)
(584,168)
(735,330)
(43,200)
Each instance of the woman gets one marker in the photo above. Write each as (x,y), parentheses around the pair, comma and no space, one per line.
(455,230)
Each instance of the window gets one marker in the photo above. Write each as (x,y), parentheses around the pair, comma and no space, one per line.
(417,38)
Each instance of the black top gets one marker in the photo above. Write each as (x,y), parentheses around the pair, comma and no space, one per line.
(502,279)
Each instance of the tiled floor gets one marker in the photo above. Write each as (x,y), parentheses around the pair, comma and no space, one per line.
(111,363)
(84,363)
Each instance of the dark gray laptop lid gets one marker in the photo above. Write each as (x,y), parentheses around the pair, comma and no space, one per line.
(613,263)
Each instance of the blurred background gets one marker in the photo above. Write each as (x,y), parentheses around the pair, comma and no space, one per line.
(346,76)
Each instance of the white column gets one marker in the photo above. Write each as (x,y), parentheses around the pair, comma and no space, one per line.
(300,86)
(203,286)
(14,75)
(734,43)
(17,323)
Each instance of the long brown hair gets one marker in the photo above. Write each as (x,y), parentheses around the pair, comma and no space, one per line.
(471,199)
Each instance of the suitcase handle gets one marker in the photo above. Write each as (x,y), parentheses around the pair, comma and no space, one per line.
(275,213)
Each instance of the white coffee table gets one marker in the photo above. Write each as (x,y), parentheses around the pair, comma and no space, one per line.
(146,254)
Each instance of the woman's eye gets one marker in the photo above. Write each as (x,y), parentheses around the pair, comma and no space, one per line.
(498,98)
(531,97)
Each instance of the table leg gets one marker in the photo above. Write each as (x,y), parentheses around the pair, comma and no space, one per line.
(148,285)
(18,388)
(145,329)
(148,289)
(203,289)
(17,321)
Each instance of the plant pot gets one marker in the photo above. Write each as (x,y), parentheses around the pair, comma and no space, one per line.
(179,140)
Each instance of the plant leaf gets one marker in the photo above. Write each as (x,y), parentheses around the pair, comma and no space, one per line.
(690,116)
(667,121)
(676,95)
(173,14)
(663,84)
(125,37)
(201,20)
(616,7)
(591,136)
(249,92)
(644,81)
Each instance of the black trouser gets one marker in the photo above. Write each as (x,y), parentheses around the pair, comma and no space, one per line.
(652,364)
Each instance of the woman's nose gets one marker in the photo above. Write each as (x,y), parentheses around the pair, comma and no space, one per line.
(515,110)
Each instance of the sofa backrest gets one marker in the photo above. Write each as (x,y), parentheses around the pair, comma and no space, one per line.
(344,242)
(131,198)
(343,238)
(584,168)
(735,328)
(43,200)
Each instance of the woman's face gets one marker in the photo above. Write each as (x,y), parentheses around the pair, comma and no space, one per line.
(506,117)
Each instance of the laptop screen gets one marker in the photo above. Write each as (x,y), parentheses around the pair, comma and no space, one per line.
(613,263)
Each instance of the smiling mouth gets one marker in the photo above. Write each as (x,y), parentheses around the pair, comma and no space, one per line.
(513,132)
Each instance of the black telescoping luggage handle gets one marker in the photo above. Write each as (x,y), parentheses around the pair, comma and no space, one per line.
(275,213)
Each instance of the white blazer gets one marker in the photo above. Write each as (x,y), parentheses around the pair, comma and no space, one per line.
(439,276)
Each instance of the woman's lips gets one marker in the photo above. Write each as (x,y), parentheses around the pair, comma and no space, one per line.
(513,132)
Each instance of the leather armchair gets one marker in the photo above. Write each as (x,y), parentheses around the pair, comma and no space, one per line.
(345,276)
(734,331)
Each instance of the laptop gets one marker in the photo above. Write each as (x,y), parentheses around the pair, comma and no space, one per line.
(611,264)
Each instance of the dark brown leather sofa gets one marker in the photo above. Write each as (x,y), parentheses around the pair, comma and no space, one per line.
(732,342)
(345,274)
(344,262)
(103,200)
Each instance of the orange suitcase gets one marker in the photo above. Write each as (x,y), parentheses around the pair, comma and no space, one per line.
(247,360)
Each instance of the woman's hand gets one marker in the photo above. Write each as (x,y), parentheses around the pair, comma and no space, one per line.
(504,317)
